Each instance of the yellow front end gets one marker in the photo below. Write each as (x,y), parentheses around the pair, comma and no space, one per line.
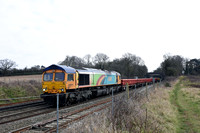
(54,81)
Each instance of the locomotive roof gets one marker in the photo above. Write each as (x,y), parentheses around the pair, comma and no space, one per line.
(67,69)
(90,70)
(97,71)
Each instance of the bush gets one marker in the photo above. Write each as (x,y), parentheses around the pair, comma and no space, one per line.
(167,84)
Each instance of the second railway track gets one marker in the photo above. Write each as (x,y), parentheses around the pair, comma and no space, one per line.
(24,114)
(18,106)
(50,124)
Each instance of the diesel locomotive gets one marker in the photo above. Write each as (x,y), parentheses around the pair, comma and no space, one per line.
(74,85)
(77,84)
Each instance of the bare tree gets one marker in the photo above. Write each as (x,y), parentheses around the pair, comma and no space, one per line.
(133,66)
(129,65)
(100,59)
(73,61)
(6,65)
(87,58)
(133,59)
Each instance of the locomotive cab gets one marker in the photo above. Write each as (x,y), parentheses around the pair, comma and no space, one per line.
(57,79)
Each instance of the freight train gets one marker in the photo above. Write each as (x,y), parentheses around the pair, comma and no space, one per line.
(81,84)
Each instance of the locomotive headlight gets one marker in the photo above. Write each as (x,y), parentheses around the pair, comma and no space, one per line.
(62,89)
(44,89)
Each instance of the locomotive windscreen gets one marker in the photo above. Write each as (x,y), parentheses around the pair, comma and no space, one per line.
(84,79)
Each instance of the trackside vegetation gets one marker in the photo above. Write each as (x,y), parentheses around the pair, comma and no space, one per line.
(18,89)
(172,107)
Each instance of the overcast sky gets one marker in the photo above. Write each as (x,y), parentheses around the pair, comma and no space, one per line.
(43,32)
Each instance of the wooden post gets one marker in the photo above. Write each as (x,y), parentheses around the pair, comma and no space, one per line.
(112,103)
(160,83)
(146,91)
(127,89)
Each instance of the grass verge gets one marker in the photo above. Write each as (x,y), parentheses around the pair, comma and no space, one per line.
(19,89)
(187,104)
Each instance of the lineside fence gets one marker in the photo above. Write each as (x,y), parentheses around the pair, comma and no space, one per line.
(130,113)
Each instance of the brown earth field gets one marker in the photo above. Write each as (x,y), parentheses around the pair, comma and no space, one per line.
(9,79)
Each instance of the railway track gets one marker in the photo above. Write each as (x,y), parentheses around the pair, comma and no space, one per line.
(21,105)
(17,117)
(20,115)
(67,115)
(11,104)
(11,113)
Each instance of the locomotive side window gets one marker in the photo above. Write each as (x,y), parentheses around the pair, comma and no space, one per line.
(70,77)
(84,79)
(48,77)
(59,76)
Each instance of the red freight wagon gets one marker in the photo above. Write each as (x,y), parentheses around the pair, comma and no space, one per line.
(135,81)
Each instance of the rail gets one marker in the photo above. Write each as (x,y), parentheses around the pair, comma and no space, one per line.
(9,99)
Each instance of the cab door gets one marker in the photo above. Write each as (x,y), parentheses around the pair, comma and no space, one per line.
(70,81)
(76,80)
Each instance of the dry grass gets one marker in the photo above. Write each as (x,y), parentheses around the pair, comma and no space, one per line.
(192,81)
(191,87)
(138,114)
(192,92)
(161,109)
